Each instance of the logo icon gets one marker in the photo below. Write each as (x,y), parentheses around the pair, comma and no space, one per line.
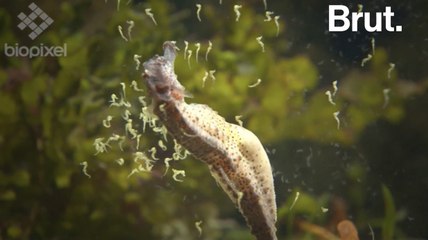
(28,21)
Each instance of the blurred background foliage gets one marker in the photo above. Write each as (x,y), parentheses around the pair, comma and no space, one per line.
(372,170)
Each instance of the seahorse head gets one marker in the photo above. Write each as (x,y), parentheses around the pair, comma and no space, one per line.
(160,78)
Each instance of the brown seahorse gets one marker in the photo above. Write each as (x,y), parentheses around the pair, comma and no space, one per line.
(235,156)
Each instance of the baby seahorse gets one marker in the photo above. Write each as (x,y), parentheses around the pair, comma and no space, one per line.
(234,155)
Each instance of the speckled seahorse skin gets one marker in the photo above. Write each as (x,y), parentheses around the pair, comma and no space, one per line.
(235,156)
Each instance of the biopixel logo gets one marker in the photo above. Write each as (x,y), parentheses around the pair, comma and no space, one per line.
(29,21)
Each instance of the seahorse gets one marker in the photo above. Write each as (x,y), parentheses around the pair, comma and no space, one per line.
(234,155)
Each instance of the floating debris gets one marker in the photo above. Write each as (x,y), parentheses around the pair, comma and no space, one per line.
(123,89)
(268,15)
(152,152)
(211,74)
(120,161)
(237,12)
(277,24)
(113,99)
(360,8)
(118,4)
(177,152)
(130,27)
(106,122)
(140,156)
(115,138)
(365,60)
(121,33)
(162,145)
(334,88)
(166,162)
(186,46)
(371,231)
(198,11)
(177,173)
(146,117)
(124,103)
(142,101)
(138,141)
(126,115)
(150,14)
(295,200)
(189,55)
(135,87)
(130,130)
(336,117)
(85,168)
(137,61)
(255,84)
(210,45)
(309,157)
(330,98)
(324,210)
(204,79)
(134,171)
(391,68)
(198,227)
(162,108)
(386,97)
(239,199)
(198,47)
(100,147)
(259,40)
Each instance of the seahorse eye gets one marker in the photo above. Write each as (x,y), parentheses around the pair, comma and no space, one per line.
(162,89)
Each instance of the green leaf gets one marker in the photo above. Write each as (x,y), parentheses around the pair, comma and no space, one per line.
(14,231)
(21,178)
(8,195)
(388,224)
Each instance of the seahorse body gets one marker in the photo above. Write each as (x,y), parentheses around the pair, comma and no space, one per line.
(235,156)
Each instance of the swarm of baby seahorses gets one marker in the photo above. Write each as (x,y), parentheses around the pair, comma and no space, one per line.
(234,155)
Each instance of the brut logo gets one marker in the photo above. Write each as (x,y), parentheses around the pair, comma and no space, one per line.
(28,21)
(334,18)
